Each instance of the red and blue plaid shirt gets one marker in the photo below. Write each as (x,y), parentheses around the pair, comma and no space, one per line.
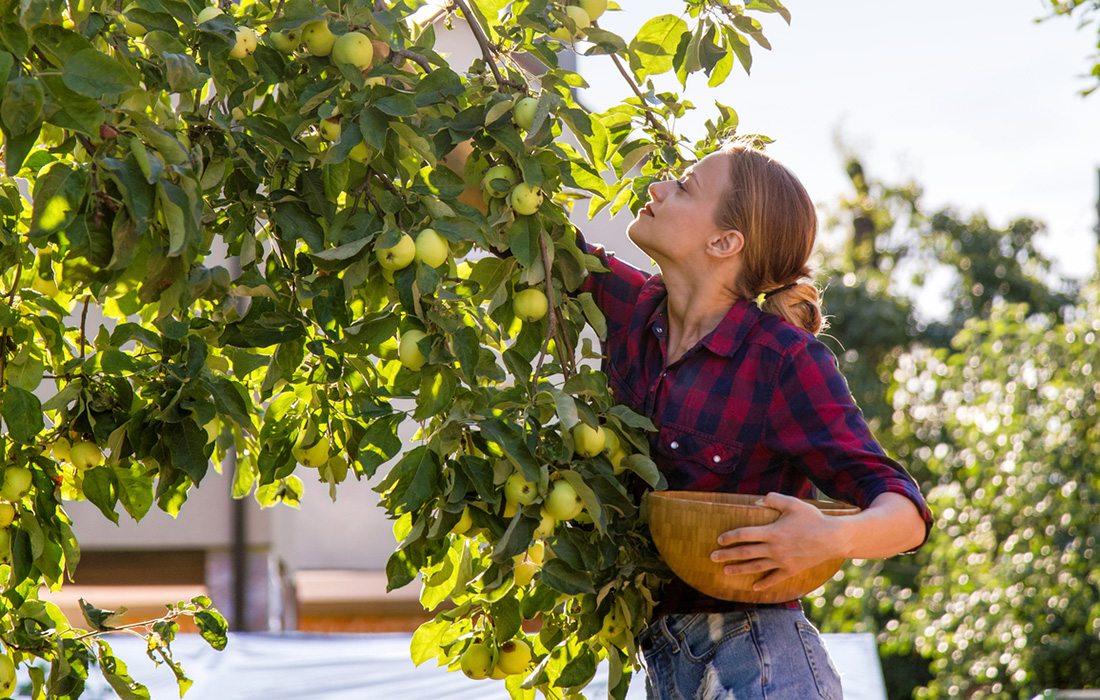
(757,405)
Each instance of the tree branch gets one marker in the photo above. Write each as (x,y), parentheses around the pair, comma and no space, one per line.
(483,42)
(413,56)
(650,116)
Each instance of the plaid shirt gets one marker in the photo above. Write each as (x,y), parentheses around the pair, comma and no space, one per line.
(758,405)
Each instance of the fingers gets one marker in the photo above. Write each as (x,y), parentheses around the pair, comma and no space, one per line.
(742,535)
(774,577)
(753,566)
(742,552)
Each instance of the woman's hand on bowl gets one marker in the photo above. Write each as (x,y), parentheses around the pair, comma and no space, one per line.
(801,538)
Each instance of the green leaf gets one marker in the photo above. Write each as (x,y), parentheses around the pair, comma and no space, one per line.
(118,676)
(213,627)
(563,578)
(100,488)
(93,74)
(21,105)
(22,413)
(58,192)
(655,45)
(425,642)
(379,443)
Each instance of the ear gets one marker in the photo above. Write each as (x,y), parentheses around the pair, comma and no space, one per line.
(726,244)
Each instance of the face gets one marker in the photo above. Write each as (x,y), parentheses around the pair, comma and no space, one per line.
(676,227)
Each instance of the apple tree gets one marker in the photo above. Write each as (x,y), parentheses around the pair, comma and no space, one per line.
(302,230)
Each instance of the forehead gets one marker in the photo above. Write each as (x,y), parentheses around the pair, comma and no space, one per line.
(712,170)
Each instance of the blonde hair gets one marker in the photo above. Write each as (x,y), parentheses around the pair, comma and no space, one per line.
(771,208)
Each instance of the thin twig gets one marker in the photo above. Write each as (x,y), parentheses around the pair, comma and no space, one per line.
(413,56)
(83,320)
(483,42)
(650,116)
(132,625)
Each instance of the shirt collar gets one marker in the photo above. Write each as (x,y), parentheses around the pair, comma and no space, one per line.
(727,336)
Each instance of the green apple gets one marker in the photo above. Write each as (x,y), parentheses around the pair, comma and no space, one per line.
(563,502)
(523,113)
(588,441)
(353,48)
(431,248)
(530,304)
(613,626)
(7,514)
(8,679)
(498,181)
(408,350)
(318,38)
(514,656)
(536,553)
(477,661)
(464,523)
(245,44)
(525,199)
(133,28)
(547,525)
(208,13)
(360,152)
(284,42)
(593,8)
(398,256)
(5,545)
(524,571)
(579,20)
(313,455)
(330,128)
(519,490)
(17,482)
(61,450)
(86,454)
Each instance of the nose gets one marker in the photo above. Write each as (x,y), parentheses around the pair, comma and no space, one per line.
(654,191)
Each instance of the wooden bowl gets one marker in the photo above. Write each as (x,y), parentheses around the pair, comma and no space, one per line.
(685,526)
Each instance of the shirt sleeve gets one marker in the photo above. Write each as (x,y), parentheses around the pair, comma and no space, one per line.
(614,291)
(814,419)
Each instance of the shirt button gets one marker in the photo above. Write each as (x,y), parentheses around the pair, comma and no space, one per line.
(658,330)
(674,445)
(717,459)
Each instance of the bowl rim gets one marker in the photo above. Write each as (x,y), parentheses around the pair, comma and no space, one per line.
(706,498)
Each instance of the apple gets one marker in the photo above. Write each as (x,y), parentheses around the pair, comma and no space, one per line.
(464,523)
(360,152)
(477,661)
(313,454)
(519,490)
(525,199)
(536,553)
(613,626)
(523,113)
(588,441)
(318,38)
(375,80)
(7,514)
(285,42)
(245,44)
(523,572)
(547,525)
(353,48)
(8,679)
(498,181)
(530,304)
(133,29)
(61,450)
(579,20)
(408,350)
(514,656)
(431,248)
(17,482)
(5,545)
(398,256)
(563,502)
(381,51)
(593,8)
(330,128)
(208,13)
(86,454)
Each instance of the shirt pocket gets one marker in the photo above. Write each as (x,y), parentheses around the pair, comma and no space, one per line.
(678,444)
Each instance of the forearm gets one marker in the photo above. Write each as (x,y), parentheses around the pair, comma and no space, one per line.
(891,524)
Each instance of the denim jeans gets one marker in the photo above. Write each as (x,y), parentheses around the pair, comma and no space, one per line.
(773,653)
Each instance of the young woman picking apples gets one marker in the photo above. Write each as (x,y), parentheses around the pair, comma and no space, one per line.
(719,349)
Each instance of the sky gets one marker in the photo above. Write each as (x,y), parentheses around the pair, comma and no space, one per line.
(971,98)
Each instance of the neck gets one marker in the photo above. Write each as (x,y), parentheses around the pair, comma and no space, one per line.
(697,303)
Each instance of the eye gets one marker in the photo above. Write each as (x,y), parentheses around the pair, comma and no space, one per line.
(680,184)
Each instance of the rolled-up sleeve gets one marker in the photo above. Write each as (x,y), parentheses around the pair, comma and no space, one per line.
(814,420)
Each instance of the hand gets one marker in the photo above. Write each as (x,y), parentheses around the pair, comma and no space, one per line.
(801,538)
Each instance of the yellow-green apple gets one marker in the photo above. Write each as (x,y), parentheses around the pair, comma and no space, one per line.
(8,679)
(7,514)
(245,43)
(17,482)
(588,441)
(360,152)
(523,113)
(399,255)
(86,454)
(408,349)
(285,42)
(519,490)
(546,525)
(498,181)
(353,48)
(318,38)
(477,661)
(133,28)
(330,128)
(525,199)
(537,553)
(208,13)
(563,502)
(593,8)
(514,656)
(431,248)
(61,449)
(530,304)
(579,20)
(311,454)
(523,571)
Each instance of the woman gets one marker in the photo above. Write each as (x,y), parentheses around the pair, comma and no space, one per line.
(747,400)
